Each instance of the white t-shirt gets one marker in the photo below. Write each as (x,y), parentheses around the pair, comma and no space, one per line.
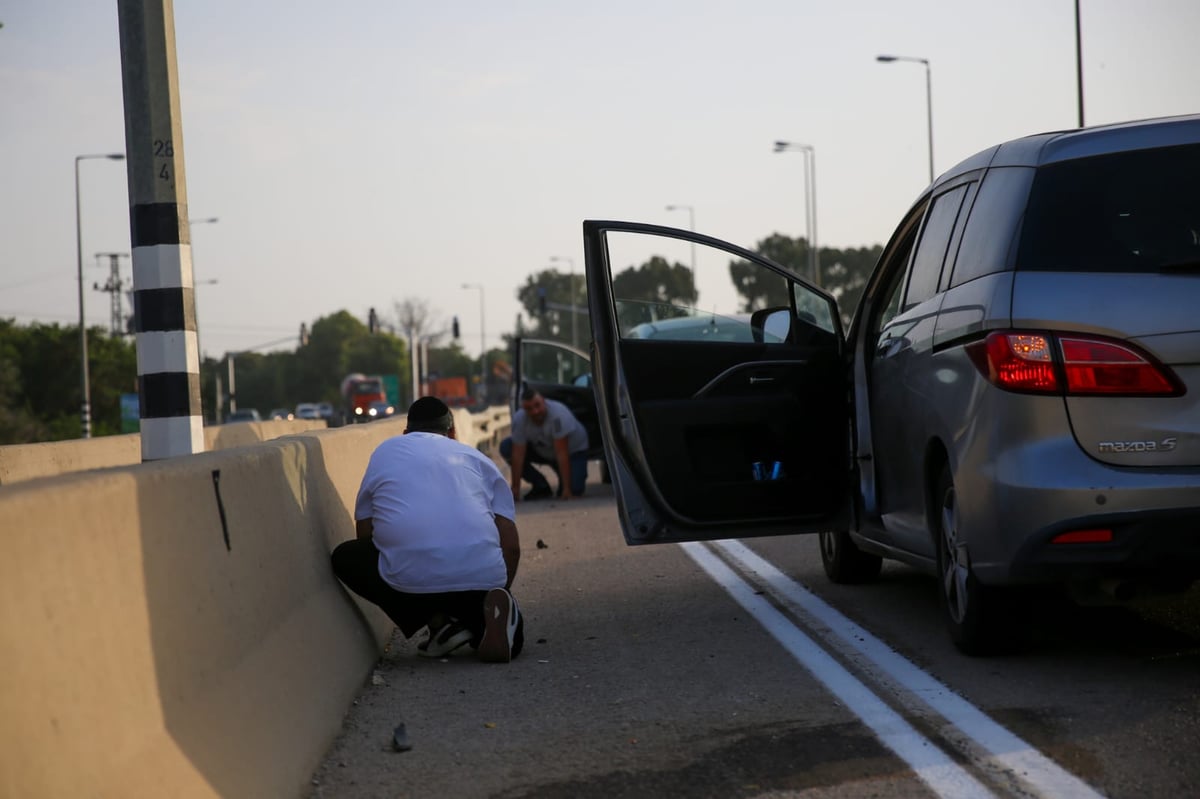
(432,501)
(559,423)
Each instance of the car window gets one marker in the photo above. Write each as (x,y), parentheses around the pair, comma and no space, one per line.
(931,250)
(1132,211)
(892,270)
(662,291)
(542,363)
(992,224)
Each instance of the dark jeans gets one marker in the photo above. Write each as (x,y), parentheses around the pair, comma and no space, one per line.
(530,474)
(356,563)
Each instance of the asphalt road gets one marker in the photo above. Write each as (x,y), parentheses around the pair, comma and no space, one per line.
(737,670)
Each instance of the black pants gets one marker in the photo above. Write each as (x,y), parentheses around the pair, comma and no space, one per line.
(356,563)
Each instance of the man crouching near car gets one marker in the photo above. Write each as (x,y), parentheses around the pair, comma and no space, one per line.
(436,546)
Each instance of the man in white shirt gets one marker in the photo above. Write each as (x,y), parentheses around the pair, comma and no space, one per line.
(545,431)
(436,544)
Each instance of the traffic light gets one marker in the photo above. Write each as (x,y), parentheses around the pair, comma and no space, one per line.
(372,321)
(541,300)
(303,334)
(454,327)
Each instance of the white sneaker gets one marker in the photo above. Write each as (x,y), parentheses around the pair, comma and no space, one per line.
(501,617)
(448,637)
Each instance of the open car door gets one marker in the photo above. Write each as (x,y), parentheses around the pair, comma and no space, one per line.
(560,372)
(722,390)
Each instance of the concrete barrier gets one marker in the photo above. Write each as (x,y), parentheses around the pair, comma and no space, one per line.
(27,461)
(174,628)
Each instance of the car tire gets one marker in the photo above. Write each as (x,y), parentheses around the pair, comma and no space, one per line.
(844,562)
(981,619)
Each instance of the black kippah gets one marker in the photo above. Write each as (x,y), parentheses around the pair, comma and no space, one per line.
(430,414)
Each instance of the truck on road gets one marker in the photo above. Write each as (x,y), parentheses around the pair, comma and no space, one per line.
(358,392)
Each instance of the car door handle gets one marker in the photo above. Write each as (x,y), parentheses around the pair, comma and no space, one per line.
(754,380)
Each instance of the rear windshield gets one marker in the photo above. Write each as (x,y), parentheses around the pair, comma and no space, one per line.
(1123,212)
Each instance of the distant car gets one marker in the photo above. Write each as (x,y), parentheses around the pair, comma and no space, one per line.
(243,415)
(308,410)
(280,413)
(325,410)
(701,327)
(379,410)
(1015,403)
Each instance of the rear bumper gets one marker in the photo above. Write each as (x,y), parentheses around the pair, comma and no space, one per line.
(1050,488)
(1151,545)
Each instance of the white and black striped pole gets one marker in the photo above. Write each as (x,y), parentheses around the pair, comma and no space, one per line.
(168,358)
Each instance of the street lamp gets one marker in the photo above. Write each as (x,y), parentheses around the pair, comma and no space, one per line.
(810,203)
(574,294)
(85,409)
(482,341)
(692,227)
(887,59)
(212,220)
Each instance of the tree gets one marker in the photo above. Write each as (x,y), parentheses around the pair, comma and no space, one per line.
(548,298)
(844,273)
(655,290)
(656,281)
(452,361)
(759,288)
(416,320)
(40,392)
(17,424)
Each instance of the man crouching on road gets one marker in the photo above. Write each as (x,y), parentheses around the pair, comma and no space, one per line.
(436,540)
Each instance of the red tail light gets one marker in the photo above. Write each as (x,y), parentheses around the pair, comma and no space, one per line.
(1017,361)
(1105,367)
(1097,536)
(1025,361)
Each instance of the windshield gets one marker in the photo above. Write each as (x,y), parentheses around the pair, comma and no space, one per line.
(1123,212)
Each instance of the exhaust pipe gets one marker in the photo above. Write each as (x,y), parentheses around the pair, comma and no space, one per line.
(1121,590)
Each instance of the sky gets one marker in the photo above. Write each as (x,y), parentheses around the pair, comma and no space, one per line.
(361,154)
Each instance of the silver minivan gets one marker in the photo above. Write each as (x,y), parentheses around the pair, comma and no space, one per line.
(1016,401)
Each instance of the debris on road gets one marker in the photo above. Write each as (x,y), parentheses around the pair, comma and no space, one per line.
(400,740)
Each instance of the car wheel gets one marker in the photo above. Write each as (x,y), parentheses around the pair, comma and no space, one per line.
(844,562)
(981,619)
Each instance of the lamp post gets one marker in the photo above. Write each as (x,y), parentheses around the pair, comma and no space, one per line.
(212,220)
(482,341)
(574,295)
(810,203)
(85,409)
(692,227)
(887,59)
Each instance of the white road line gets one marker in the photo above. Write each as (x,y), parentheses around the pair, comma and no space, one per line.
(1007,753)
(931,765)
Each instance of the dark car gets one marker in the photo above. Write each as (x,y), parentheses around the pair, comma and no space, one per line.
(1016,403)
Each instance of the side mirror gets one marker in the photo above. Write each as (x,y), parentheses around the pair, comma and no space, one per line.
(771,325)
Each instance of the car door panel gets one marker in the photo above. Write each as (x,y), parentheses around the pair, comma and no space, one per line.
(684,422)
(702,445)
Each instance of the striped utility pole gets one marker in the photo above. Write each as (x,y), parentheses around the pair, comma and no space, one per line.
(168,358)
